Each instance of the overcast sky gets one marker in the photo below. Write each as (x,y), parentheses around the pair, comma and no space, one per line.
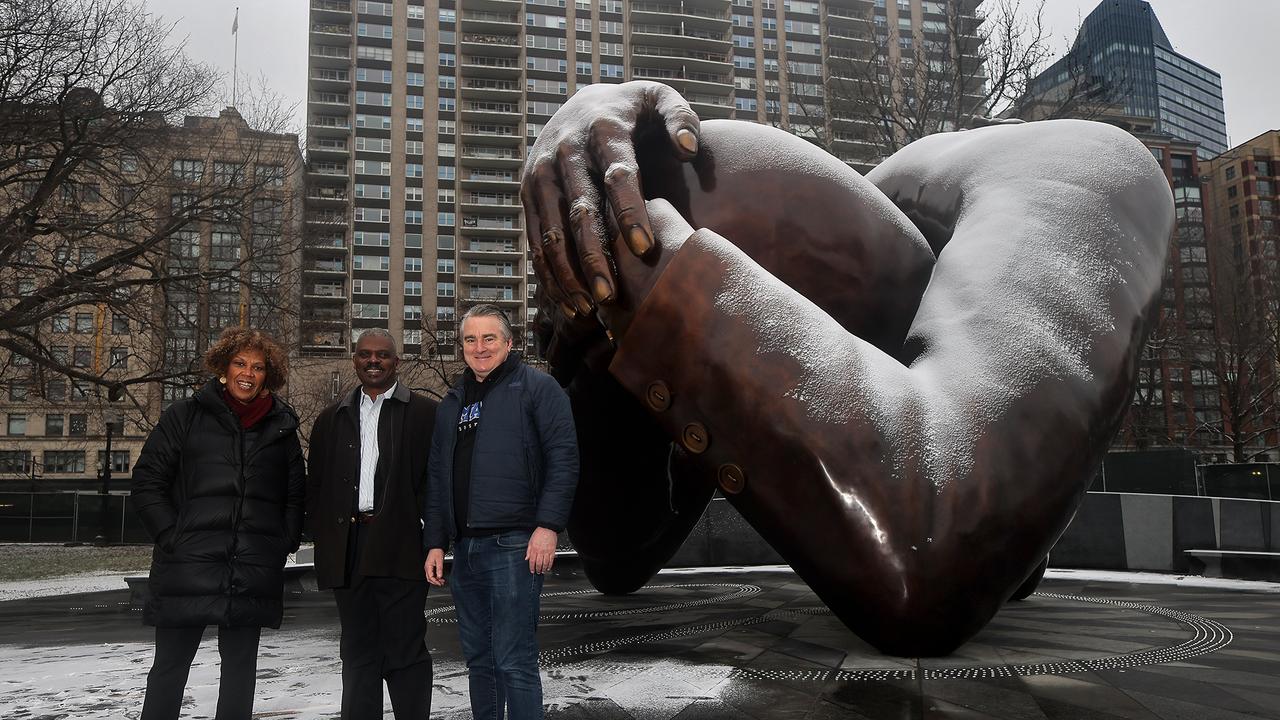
(1232,37)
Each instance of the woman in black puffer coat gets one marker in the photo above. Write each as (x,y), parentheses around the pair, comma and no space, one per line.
(219,486)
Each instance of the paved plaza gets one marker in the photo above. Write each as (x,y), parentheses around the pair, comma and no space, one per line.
(721,643)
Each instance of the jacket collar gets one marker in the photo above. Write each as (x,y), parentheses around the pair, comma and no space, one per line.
(510,367)
(352,400)
(209,396)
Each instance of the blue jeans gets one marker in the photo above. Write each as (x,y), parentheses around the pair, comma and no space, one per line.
(497,601)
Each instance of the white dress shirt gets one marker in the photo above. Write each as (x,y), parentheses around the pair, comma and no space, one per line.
(370,411)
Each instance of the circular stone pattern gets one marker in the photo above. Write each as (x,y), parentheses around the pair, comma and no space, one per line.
(1203,636)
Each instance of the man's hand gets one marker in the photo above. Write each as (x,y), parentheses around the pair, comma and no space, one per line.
(434,567)
(593,135)
(541,553)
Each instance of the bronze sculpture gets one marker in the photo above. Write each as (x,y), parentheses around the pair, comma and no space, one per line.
(903,382)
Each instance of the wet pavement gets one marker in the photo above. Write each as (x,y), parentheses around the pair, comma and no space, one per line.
(719,643)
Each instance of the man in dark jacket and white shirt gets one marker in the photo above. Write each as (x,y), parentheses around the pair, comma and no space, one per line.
(503,469)
(368,464)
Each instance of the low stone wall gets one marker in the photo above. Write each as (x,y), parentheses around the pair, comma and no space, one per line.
(1111,531)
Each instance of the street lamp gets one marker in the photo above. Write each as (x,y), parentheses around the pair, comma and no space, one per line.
(111,418)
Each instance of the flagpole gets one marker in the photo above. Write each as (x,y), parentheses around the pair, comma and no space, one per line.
(235,54)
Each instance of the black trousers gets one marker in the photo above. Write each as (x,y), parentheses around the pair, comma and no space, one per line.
(383,631)
(176,648)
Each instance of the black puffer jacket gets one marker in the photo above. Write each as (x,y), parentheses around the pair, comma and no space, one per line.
(231,503)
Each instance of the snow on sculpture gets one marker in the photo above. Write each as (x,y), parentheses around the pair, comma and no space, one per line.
(904,382)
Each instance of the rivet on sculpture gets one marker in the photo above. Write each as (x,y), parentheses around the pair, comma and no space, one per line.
(904,382)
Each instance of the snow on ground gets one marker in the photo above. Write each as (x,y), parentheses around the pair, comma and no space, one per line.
(66,585)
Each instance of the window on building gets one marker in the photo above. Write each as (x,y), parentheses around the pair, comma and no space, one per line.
(445,289)
(189,170)
(17,424)
(84,322)
(444,265)
(54,424)
(15,462)
(444,242)
(77,424)
(119,460)
(64,461)
(413,264)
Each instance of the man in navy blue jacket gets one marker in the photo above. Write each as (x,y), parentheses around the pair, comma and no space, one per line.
(502,471)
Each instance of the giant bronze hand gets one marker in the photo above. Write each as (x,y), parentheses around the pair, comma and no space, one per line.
(912,444)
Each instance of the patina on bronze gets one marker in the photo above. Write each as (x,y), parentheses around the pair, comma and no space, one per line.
(904,382)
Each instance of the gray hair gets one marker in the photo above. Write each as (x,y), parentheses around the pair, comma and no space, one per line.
(487,310)
(382,333)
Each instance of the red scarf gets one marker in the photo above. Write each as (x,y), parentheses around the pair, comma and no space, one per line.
(250,412)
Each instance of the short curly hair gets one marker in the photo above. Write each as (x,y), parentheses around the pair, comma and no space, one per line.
(236,338)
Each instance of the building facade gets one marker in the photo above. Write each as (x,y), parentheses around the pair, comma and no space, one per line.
(1177,401)
(225,201)
(1123,56)
(1241,189)
(421,112)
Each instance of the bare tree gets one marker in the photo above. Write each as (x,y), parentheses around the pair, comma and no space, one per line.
(109,198)
(1245,356)
(965,63)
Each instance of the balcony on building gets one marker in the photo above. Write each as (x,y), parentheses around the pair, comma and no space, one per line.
(325,217)
(324,290)
(329,32)
(321,100)
(707,13)
(330,56)
(681,36)
(490,201)
(501,7)
(483,65)
(325,169)
(326,195)
(325,242)
(655,55)
(329,79)
(492,247)
(494,134)
(330,146)
(331,10)
(499,225)
(492,157)
(324,316)
(473,178)
(504,295)
(501,112)
(480,271)
(485,21)
(492,89)
(709,105)
(325,266)
(686,81)
(322,125)
(504,44)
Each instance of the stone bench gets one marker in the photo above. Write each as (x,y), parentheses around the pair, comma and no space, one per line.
(1243,564)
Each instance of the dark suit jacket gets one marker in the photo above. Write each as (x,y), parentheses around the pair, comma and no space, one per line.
(393,544)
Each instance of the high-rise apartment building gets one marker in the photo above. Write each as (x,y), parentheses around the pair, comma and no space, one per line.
(1123,56)
(1241,190)
(1177,402)
(234,196)
(421,112)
